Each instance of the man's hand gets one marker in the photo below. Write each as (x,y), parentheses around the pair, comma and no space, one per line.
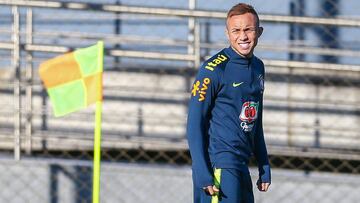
(263,187)
(211,190)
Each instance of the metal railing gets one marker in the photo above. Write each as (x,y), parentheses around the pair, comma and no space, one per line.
(311,107)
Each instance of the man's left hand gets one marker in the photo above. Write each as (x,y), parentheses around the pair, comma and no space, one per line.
(263,187)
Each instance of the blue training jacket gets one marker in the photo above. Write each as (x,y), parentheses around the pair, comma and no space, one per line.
(224,126)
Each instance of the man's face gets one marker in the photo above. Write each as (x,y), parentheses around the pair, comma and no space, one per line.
(243,33)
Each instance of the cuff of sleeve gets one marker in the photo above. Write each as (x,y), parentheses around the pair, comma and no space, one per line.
(265,174)
(202,179)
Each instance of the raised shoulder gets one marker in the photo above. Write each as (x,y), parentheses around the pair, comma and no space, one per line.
(209,76)
(217,61)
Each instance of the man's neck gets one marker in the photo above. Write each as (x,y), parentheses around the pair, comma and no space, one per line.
(247,57)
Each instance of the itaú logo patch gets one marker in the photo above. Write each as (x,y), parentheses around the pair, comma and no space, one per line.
(218,60)
(248,115)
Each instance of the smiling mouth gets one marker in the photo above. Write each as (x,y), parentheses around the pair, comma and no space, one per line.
(244,45)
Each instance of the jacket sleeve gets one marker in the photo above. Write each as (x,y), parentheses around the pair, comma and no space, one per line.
(260,151)
(202,98)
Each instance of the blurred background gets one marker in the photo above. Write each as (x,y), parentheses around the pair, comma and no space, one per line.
(311,50)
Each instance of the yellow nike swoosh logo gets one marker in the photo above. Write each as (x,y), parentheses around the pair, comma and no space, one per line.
(237,84)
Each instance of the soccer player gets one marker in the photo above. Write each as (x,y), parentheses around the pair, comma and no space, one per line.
(224,126)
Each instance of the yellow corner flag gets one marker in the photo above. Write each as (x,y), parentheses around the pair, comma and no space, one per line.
(74,81)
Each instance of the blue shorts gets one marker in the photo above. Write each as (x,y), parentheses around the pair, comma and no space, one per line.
(235,187)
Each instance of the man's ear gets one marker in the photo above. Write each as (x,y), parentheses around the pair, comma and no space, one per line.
(260,31)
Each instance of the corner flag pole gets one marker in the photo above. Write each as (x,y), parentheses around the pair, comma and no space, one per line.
(97,153)
(97,134)
(74,81)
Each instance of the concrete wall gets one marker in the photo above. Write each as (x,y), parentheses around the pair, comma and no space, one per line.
(49,180)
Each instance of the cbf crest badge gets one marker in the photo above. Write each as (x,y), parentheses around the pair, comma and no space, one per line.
(248,115)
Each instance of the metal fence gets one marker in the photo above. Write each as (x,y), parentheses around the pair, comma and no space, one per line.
(60,180)
(153,49)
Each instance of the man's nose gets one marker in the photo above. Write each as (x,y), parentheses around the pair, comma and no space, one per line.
(243,36)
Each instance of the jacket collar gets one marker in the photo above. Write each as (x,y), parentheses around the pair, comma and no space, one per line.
(234,56)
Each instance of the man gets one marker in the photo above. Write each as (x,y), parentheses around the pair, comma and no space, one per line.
(225,116)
